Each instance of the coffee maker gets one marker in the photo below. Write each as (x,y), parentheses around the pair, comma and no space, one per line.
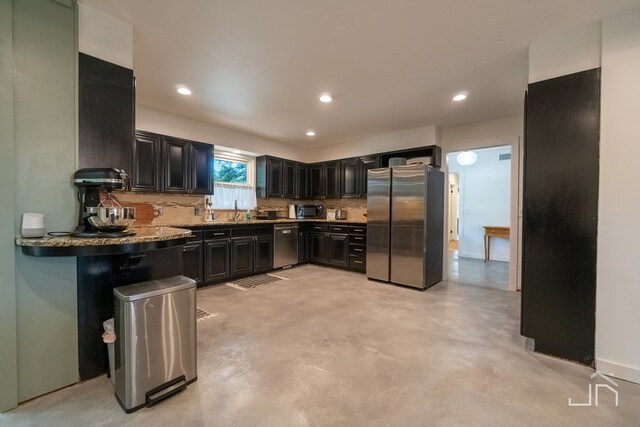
(95,219)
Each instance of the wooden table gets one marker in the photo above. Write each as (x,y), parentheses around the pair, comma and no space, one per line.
(492,231)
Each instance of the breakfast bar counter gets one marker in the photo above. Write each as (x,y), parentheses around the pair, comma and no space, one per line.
(145,239)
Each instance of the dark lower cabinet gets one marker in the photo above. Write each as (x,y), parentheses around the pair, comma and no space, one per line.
(192,261)
(241,256)
(338,249)
(318,247)
(217,260)
(263,253)
(304,238)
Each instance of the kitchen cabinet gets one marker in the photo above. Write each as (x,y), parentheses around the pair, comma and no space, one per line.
(241,255)
(217,257)
(366,163)
(145,174)
(358,247)
(106,114)
(187,166)
(338,249)
(263,253)
(303,245)
(302,175)
(318,247)
(329,244)
(349,181)
(276,177)
(332,179)
(316,179)
(192,261)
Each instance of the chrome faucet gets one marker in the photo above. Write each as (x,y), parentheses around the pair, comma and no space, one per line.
(236,215)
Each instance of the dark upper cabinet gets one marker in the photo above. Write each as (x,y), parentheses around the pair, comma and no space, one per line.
(365,164)
(106,114)
(349,182)
(332,180)
(289,179)
(184,166)
(263,253)
(175,161)
(338,249)
(302,187)
(316,179)
(145,174)
(201,168)
(274,177)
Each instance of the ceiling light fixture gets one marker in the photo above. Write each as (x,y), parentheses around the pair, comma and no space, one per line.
(183,90)
(311,132)
(326,98)
(466,158)
(461,96)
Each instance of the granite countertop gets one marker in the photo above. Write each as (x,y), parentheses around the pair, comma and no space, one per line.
(253,222)
(143,235)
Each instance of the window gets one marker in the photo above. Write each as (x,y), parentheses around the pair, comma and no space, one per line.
(233,180)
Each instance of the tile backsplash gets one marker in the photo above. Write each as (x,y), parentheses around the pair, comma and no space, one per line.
(181,208)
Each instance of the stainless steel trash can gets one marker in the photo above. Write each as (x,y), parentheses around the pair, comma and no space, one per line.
(155,353)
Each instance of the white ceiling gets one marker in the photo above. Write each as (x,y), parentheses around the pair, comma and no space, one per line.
(259,65)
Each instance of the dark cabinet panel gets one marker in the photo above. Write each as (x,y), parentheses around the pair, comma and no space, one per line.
(302,175)
(350,176)
(289,179)
(338,249)
(192,258)
(106,114)
(217,259)
(274,177)
(263,259)
(146,162)
(303,246)
(201,168)
(332,180)
(560,216)
(175,156)
(318,247)
(316,177)
(241,256)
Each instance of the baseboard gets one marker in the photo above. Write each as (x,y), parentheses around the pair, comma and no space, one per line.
(615,370)
(481,256)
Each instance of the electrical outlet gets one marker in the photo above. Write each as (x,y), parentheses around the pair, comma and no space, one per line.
(208,201)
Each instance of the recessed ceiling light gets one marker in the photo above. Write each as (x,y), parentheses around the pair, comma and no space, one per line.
(183,90)
(461,96)
(326,97)
(466,158)
(311,132)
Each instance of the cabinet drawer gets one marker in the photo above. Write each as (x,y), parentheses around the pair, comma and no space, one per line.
(319,227)
(343,229)
(216,234)
(357,262)
(359,240)
(358,250)
(196,235)
(358,229)
(252,231)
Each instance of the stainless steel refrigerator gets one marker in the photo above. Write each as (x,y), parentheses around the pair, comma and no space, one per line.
(405,225)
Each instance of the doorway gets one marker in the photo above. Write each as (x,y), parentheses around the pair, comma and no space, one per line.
(479,220)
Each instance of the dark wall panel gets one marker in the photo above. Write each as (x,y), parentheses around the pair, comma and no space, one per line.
(561,215)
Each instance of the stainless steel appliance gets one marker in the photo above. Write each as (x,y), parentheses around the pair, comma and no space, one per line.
(310,211)
(341,214)
(155,348)
(405,220)
(285,245)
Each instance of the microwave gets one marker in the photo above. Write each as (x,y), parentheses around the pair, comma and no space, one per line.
(310,211)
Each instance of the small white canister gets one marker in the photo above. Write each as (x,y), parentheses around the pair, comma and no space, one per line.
(32,225)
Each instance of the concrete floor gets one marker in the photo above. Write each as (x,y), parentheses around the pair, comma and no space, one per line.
(328,347)
(470,271)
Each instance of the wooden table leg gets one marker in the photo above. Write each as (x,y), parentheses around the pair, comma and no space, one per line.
(486,246)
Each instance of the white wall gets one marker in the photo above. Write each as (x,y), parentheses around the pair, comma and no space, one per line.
(105,37)
(380,143)
(484,200)
(493,133)
(153,120)
(618,285)
(564,52)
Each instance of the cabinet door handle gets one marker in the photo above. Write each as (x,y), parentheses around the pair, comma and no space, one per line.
(358,238)
(337,228)
(358,250)
(218,234)
(357,262)
(358,230)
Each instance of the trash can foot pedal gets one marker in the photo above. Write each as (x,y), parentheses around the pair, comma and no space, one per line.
(165,390)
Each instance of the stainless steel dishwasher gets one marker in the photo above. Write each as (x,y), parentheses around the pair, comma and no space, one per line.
(285,245)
